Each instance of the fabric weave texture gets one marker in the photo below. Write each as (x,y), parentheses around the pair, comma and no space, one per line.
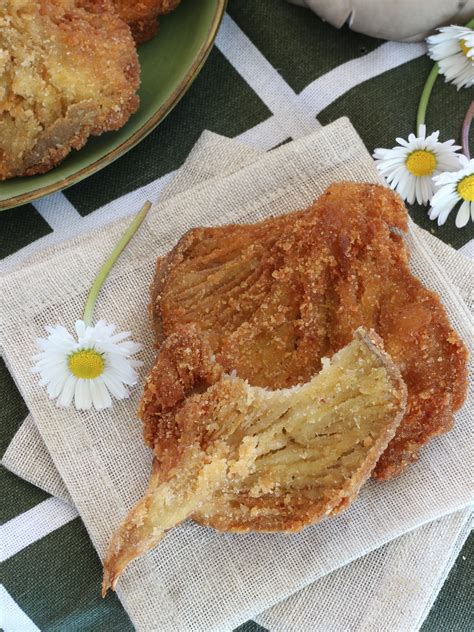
(101,456)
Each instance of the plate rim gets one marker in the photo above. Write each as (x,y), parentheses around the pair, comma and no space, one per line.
(139,134)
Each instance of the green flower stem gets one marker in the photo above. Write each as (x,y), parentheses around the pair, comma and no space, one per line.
(466,126)
(425,95)
(117,251)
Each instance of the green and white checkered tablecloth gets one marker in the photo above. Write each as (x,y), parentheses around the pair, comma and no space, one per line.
(276,72)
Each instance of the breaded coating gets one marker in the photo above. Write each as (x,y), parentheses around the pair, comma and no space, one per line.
(68,70)
(141,16)
(272,299)
(290,457)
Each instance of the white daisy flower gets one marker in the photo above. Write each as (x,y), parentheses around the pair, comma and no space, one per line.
(453,188)
(453,49)
(410,167)
(88,369)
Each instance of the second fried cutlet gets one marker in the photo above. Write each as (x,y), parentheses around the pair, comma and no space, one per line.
(68,70)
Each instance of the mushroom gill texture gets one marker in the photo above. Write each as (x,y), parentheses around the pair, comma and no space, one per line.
(273,298)
(240,457)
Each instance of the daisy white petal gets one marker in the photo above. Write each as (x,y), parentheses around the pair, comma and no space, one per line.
(453,48)
(55,386)
(58,330)
(443,215)
(67,392)
(80,328)
(84,369)
(82,395)
(100,395)
(115,386)
(454,188)
(402,142)
(435,210)
(121,336)
(462,217)
(131,347)
(129,378)
(410,167)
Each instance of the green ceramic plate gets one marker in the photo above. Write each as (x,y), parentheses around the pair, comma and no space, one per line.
(169,64)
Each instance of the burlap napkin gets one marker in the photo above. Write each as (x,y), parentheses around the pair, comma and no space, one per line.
(389,590)
(418,561)
(198,579)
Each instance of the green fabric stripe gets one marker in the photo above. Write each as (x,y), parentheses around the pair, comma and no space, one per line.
(13,409)
(218,100)
(295,41)
(56,581)
(452,610)
(283,142)
(17,495)
(19,227)
(385,107)
(250,626)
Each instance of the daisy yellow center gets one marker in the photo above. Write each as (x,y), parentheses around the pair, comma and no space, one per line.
(86,364)
(465,48)
(421,162)
(465,188)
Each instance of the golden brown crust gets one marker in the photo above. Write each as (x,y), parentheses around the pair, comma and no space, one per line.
(239,457)
(72,72)
(238,511)
(142,15)
(182,369)
(155,289)
(144,30)
(273,298)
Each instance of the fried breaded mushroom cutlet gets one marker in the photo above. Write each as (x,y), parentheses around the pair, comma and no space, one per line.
(275,297)
(290,456)
(68,70)
(142,15)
